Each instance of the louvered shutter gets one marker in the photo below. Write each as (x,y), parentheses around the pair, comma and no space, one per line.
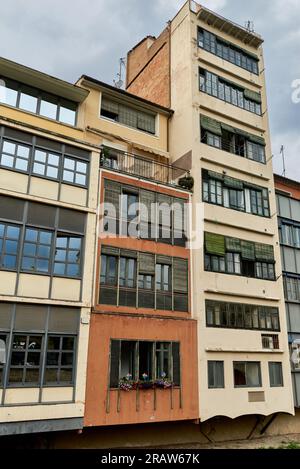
(211,125)
(256,97)
(109,106)
(180,275)
(164,260)
(110,250)
(112,192)
(146,264)
(248,250)
(214,244)
(147,215)
(264,252)
(176,363)
(115,356)
(233,245)
(164,218)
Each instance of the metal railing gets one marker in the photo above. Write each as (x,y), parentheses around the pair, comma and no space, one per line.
(134,165)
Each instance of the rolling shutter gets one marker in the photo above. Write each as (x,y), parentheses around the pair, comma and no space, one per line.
(109,106)
(110,250)
(146,263)
(211,125)
(233,245)
(256,97)
(264,252)
(214,244)
(180,275)
(112,195)
(248,250)
(115,355)
(233,183)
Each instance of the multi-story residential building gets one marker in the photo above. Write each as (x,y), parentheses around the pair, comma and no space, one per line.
(142,336)
(211,72)
(288,210)
(48,202)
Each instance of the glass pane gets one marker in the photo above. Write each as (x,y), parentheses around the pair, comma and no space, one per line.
(9,147)
(60,255)
(239,374)
(48,109)
(68,343)
(13,232)
(42,265)
(40,156)
(22,165)
(28,103)
(28,263)
(53,343)
(80,179)
(61,242)
(53,159)
(66,375)
(45,237)
(68,176)
(11,247)
(7,95)
(29,249)
(16,375)
(59,269)
(31,235)
(253,375)
(67,116)
(73,256)
(39,169)
(7,161)
(43,251)
(73,270)
(69,164)
(51,375)
(52,358)
(52,172)
(32,376)
(75,243)
(33,359)
(9,262)
(67,359)
(81,167)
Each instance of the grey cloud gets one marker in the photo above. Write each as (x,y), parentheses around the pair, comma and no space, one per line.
(67,39)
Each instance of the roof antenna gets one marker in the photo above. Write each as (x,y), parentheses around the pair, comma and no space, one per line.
(119,83)
(249,25)
(283,160)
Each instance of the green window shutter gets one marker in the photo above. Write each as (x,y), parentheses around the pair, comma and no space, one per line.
(146,263)
(110,106)
(256,97)
(215,244)
(264,252)
(115,355)
(180,275)
(211,125)
(248,250)
(256,139)
(242,133)
(217,176)
(112,192)
(127,253)
(109,250)
(147,214)
(164,260)
(233,244)
(176,363)
(233,183)
(228,128)
(146,122)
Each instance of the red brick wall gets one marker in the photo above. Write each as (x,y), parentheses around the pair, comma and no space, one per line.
(148,70)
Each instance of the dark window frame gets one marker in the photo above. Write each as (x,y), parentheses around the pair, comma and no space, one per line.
(247,385)
(273,384)
(215,385)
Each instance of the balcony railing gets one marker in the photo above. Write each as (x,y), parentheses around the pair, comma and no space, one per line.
(129,163)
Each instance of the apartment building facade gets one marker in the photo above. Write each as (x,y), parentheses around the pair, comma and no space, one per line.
(48,200)
(210,71)
(142,336)
(288,212)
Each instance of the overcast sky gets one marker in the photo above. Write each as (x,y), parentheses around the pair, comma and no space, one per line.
(68,38)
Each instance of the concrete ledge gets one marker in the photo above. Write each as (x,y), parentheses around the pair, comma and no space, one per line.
(38,426)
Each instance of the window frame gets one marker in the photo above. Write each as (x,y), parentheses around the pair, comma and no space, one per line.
(247,385)
(214,371)
(271,382)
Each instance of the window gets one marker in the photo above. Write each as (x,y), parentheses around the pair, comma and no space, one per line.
(33,100)
(108,270)
(36,250)
(255,152)
(9,245)
(36,359)
(127,115)
(270,342)
(275,374)
(291,288)
(127,277)
(213,85)
(130,207)
(67,256)
(41,162)
(215,375)
(289,234)
(163,278)
(60,360)
(213,140)
(234,194)
(241,316)
(142,280)
(14,156)
(135,360)
(241,257)
(25,359)
(46,164)
(74,171)
(247,374)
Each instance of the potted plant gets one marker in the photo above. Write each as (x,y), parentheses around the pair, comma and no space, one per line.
(163,382)
(187,182)
(145,383)
(127,384)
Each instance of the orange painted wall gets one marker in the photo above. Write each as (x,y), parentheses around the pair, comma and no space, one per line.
(287,185)
(133,409)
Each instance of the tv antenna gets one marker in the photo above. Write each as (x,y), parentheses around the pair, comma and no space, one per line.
(249,25)
(283,160)
(119,82)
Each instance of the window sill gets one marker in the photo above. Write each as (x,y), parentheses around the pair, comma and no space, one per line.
(235,350)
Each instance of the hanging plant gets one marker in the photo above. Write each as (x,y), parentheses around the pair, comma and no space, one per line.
(187,182)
